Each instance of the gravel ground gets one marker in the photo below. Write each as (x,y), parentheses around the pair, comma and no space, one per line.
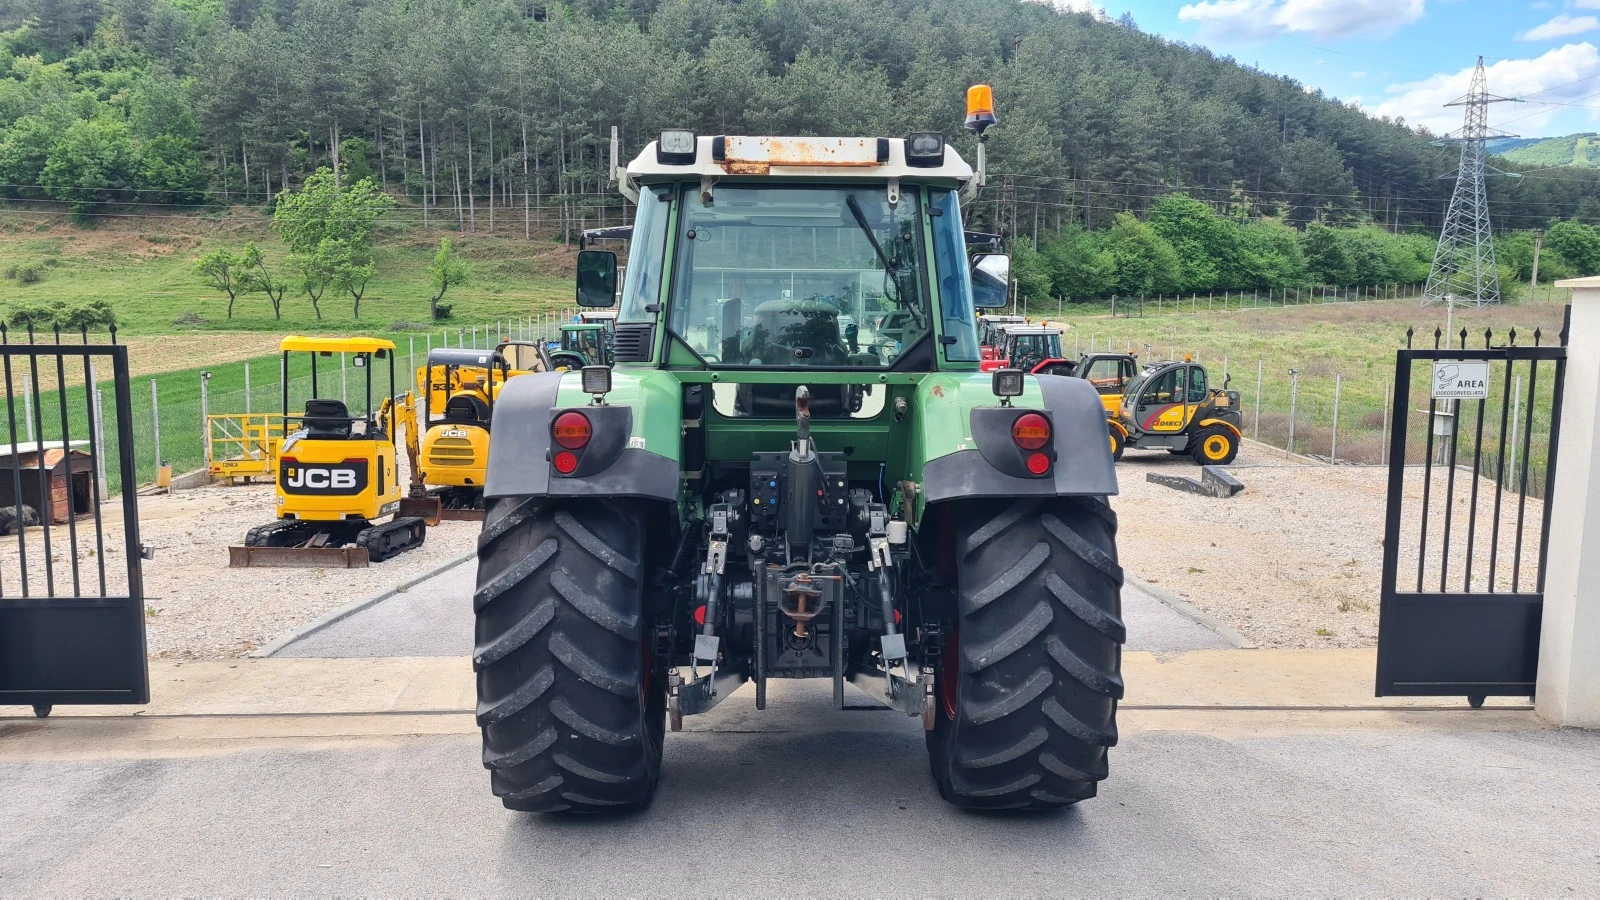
(197,607)
(1296,559)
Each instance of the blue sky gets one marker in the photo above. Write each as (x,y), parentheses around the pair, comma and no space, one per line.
(1405,58)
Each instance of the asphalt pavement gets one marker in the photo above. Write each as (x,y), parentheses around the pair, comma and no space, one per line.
(802,799)
(434,618)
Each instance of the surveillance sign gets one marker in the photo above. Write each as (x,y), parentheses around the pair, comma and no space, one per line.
(1460,380)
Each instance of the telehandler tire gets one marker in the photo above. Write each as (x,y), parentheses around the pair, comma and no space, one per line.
(1118,444)
(571,702)
(1028,684)
(1216,446)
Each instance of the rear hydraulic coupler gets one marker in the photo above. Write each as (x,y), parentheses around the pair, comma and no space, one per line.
(803,481)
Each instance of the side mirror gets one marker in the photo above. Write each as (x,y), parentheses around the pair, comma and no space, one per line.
(991,280)
(597,278)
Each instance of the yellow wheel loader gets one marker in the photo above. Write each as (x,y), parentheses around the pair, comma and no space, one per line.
(449,446)
(336,473)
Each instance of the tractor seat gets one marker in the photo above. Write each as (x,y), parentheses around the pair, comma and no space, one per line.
(327,420)
(465,409)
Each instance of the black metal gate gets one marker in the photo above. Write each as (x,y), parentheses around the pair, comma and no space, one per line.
(71,588)
(1468,518)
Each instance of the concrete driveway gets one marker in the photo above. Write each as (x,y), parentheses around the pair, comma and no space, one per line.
(354,768)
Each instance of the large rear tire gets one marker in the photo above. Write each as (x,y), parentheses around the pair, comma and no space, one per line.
(571,703)
(1028,687)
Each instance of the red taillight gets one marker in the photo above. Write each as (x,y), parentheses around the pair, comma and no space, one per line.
(354,460)
(1031,431)
(700,615)
(289,460)
(1038,463)
(572,430)
(565,462)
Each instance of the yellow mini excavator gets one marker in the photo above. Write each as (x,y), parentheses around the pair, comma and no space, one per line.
(336,471)
(447,433)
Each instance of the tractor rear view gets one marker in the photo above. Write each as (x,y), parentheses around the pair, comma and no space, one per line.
(795,469)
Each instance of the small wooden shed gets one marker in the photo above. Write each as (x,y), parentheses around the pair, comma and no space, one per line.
(68,472)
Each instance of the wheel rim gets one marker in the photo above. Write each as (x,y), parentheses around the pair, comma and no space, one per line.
(1216,447)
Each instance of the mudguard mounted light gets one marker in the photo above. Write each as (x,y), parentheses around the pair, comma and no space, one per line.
(980,108)
(597,381)
(925,150)
(1007,384)
(675,147)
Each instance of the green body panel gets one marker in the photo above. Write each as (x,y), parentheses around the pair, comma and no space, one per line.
(655,398)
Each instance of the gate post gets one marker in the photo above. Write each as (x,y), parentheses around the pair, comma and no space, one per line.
(1569,667)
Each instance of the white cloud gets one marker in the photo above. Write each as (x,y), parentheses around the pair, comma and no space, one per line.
(1261,19)
(1581,4)
(1547,78)
(1358,75)
(1561,26)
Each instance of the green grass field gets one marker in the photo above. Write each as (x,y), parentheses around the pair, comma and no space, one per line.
(144,267)
(1346,346)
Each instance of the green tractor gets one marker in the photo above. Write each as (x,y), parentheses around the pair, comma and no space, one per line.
(581,344)
(795,469)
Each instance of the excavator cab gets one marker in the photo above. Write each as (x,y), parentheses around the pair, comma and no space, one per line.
(458,387)
(336,468)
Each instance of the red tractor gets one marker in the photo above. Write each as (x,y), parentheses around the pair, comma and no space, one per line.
(1035,349)
(991,332)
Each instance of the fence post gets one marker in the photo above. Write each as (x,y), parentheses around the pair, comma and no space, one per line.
(1294,394)
(1338,383)
(27,406)
(100,441)
(155,422)
(1257,435)
(205,414)
(1516,418)
(99,425)
(1383,444)
(247,388)
(411,356)
(344,393)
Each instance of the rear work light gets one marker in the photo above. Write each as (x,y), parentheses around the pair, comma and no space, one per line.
(925,150)
(1031,431)
(571,430)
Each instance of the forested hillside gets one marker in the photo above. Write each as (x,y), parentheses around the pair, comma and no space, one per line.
(472,109)
(1579,150)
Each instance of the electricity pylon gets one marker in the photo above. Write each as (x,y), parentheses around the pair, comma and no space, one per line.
(1463,265)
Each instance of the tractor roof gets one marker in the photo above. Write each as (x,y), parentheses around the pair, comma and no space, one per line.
(1031,330)
(294,343)
(833,158)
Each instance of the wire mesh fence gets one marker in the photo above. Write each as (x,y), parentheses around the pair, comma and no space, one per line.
(169,414)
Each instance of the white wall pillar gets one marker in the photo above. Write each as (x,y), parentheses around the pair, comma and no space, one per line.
(1569,643)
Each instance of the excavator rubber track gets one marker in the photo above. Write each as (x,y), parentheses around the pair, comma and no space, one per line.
(294,544)
(394,537)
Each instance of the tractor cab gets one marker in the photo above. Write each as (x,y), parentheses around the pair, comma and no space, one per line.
(337,470)
(991,331)
(581,344)
(1109,373)
(1035,349)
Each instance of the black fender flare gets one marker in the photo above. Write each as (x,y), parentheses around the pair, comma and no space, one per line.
(1083,466)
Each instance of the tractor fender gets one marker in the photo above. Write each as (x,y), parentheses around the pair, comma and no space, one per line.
(520,448)
(1118,427)
(1237,435)
(1081,467)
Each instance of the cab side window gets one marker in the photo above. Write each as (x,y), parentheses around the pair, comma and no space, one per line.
(1161,389)
(1197,384)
